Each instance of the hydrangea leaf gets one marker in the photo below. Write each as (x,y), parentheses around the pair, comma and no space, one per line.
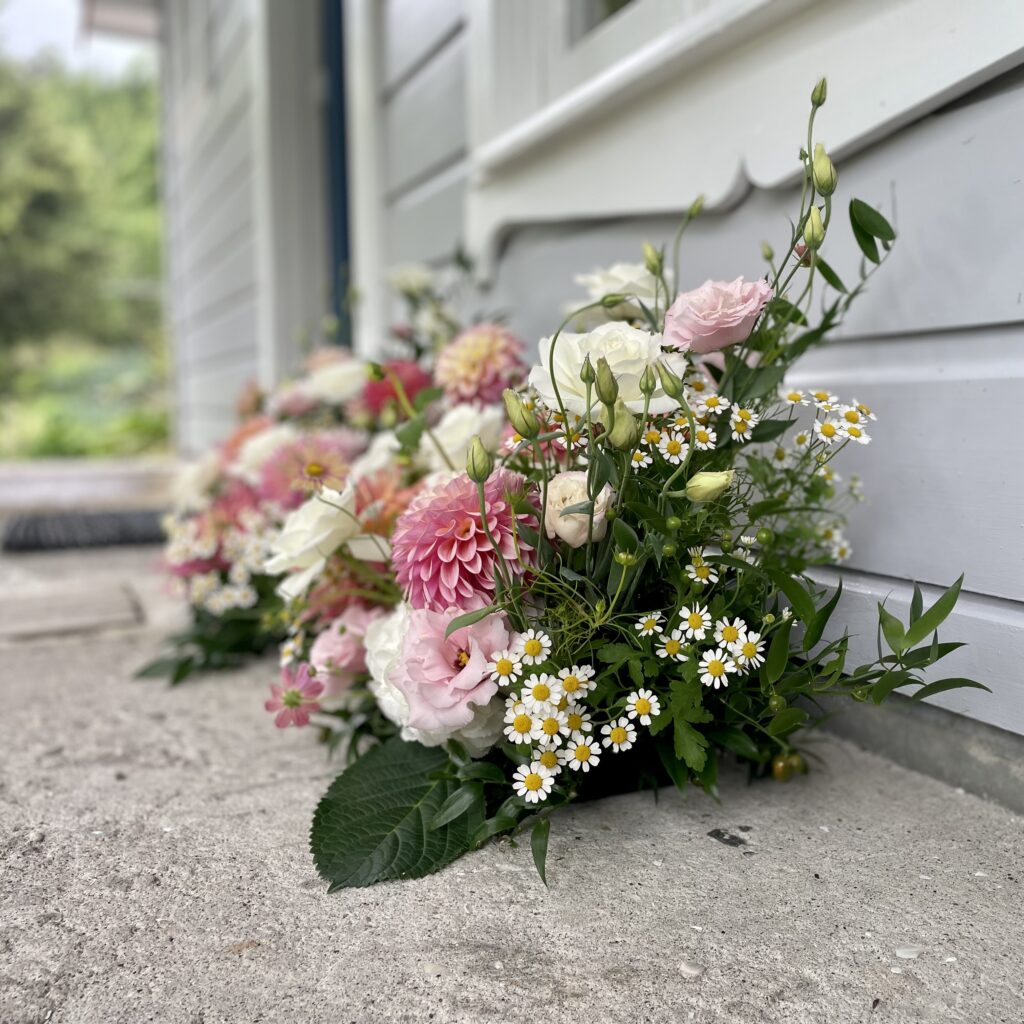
(373,822)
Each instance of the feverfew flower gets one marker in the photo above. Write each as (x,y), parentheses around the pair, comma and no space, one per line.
(673,448)
(710,404)
(824,399)
(643,705)
(581,753)
(863,409)
(748,650)
(672,646)
(793,396)
(619,734)
(854,432)
(520,724)
(827,431)
(742,423)
(550,758)
(576,681)
(550,724)
(647,625)
(534,646)
(533,782)
(294,698)
(578,718)
(727,633)
(506,667)
(640,460)
(802,438)
(698,570)
(715,667)
(694,622)
(704,438)
(540,691)
(651,437)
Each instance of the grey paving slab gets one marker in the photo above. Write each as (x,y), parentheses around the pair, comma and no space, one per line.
(153,867)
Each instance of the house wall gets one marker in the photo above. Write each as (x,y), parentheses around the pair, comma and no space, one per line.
(936,345)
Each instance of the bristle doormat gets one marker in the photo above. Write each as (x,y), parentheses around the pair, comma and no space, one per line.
(54,531)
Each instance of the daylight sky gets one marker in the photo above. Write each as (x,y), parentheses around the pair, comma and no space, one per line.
(31,27)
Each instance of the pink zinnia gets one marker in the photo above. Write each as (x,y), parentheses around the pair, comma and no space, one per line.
(379,394)
(480,363)
(314,460)
(295,697)
(442,555)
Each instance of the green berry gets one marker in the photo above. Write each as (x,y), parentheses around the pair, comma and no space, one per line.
(764,536)
(860,693)
(776,703)
(797,765)
(781,770)
(669,549)
(673,523)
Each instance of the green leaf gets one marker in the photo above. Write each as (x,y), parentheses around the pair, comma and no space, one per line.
(468,619)
(892,630)
(625,537)
(464,799)
(675,768)
(820,621)
(935,616)
(615,653)
(803,604)
(778,653)
(504,819)
(871,221)
(786,721)
(916,604)
(371,824)
(953,683)
(735,739)
(867,244)
(410,432)
(888,682)
(486,771)
(923,656)
(425,397)
(539,846)
(636,673)
(829,274)
(768,430)
(690,745)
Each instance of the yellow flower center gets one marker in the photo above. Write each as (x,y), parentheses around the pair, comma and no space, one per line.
(854,431)
(741,426)
(503,667)
(851,416)
(582,752)
(864,409)
(652,436)
(794,396)
(698,386)
(801,439)
(730,634)
(780,455)
(650,624)
(575,721)
(549,759)
(643,706)
(570,684)
(716,668)
(533,647)
(828,430)
(702,572)
(821,396)
(540,691)
(618,734)
(638,456)
(549,726)
(315,470)
(749,649)
(563,703)
(743,414)
(522,723)
(672,647)
(703,436)
(694,621)
(673,447)
(533,782)
(462,658)
(711,402)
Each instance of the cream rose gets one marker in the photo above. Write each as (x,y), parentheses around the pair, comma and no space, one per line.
(632,280)
(628,350)
(566,490)
(456,429)
(717,314)
(337,382)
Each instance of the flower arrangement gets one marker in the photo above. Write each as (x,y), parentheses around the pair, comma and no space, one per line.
(601,583)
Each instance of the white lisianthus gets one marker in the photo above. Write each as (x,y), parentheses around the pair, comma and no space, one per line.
(628,350)
(337,382)
(411,278)
(633,280)
(313,532)
(259,448)
(456,430)
(380,455)
(566,490)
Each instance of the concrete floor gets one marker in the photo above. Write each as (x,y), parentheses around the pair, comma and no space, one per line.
(153,867)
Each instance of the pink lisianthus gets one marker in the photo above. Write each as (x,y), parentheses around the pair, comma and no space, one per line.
(312,461)
(715,315)
(440,549)
(480,363)
(443,678)
(338,654)
(295,697)
(377,395)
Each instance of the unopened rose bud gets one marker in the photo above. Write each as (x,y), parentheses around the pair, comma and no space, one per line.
(652,259)
(819,93)
(707,486)
(823,172)
(671,383)
(695,207)
(624,432)
(587,374)
(607,386)
(814,230)
(479,462)
(524,421)
(648,381)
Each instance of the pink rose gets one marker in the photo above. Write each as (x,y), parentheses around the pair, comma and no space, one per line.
(442,678)
(338,653)
(715,315)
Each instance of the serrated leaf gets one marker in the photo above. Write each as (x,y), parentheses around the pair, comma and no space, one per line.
(615,653)
(953,683)
(539,847)
(871,221)
(690,745)
(930,620)
(675,768)
(636,672)
(371,824)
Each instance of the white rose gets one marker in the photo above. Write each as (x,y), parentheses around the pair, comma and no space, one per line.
(337,382)
(628,350)
(383,643)
(313,532)
(566,490)
(630,279)
(380,455)
(456,430)
(256,450)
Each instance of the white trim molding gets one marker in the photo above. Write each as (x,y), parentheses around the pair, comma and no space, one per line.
(712,102)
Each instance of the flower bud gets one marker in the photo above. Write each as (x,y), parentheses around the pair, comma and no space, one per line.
(625,431)
(524,420)
(479,462)
(814,230)
(671,383)
(611,301)
(823,172)
(587,374)
(648,381)
(375,371)
(695,207)
(707,486)
(625,558)
(607,385)
(767,252)
(819,93)
(652,259)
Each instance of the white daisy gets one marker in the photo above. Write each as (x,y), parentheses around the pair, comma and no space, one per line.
(648,624)
(540,691)
(715,667)
(651,437)
(694,622)
(578,718)
(802,438)
(709,405)
(550,725)
(827,431)
(576,682)
(864,410)
(824,398)
(548,756)
(643,705)
(699,571)
(520,725)
(855,432)
(780,456)
(672,646)
(748,650)
(619,734)
(793,396)
(533,646)
(742,423)
(505,667)
(673,448)
(697,383)
(841,551)
(640,460)
(704,438)
(533,782)
(727,633)
(581,753)
(828,473)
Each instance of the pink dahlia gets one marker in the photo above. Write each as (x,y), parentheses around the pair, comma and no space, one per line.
(295,697)
(441,552)
(378,395)
(312,461)
(480,363)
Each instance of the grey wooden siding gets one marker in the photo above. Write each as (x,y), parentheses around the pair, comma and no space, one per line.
(208,133)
